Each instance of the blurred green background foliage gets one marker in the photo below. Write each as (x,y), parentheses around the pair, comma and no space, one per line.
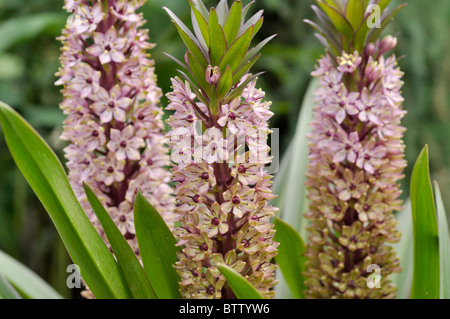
(29,59)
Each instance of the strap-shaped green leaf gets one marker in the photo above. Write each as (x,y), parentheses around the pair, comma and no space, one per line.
(240,286)
(7,291)
(290,257)
(135,276)
(426,239)
(444,245)
(157,248)
(233,22)
(218,43)
(46,176)
(28,282)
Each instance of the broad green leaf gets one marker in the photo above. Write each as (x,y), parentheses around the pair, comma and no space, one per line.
(236,51)
(46,176)
(19,29)
(242,289)
(355,12)
(290,257)
(233,22)
(426,239)
(135,276)
(28,282)
(218,43)
(405,252)
(444,245)
(225,84)
(339,21)
(157,249)
(7,291)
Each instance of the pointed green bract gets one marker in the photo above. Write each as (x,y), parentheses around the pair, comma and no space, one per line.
(242,289)
(344,25)
(135,276)
(236,52)
(225,83)
(46,176)
(218,43)
(157,249)
(426,239)
(233,22)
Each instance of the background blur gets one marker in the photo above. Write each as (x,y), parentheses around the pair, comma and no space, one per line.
(29,59)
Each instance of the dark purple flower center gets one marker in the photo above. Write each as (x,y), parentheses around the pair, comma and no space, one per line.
(236,200)
(366,207)
(352,186)
(246,243)
(215,221)
(210,290)
(95,133)
(128,73)
(122,218)
(351,284)
(353,239)
(141,117)
(242,169)
(108,47)
(367,157)
(129,236)
(123,144)
(110,169)
(203,247)
(373,249)
(348,147)
(204,176)
(196,199)
(232,116)
(335,263)
(89,81)
(190,119)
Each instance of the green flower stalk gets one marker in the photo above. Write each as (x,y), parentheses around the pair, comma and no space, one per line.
(356,155)
(222,188)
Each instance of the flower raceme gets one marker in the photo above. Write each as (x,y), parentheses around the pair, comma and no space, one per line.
(219,150)
(114,122)
(356,159)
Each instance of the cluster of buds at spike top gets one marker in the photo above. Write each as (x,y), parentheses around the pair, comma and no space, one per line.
(219,149)
(114,122)
(356,160)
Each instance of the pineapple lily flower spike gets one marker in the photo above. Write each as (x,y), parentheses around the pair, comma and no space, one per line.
(222,188)
(356,156)
(114,122)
